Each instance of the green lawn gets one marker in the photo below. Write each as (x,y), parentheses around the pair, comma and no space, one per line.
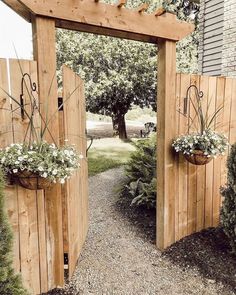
(108,153)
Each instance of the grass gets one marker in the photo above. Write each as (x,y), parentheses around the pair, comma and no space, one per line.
(108,153)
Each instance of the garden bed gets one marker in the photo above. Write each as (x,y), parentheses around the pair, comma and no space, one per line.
(209,252)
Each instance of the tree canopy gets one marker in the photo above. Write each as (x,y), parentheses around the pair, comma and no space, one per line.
(120,73)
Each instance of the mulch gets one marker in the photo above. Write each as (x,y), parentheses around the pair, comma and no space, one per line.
(209,252)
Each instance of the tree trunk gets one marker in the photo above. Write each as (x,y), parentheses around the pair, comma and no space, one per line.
(119,127)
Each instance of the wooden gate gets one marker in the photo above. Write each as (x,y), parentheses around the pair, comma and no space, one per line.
(195,202)
(76,190)
(45,227)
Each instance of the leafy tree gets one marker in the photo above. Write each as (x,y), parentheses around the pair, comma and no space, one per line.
(10,284)
(114,70)
(120,73)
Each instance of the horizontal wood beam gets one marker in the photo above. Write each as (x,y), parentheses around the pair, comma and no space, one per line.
(109,19)
(19,8)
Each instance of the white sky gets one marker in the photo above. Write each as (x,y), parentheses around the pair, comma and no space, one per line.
(14,31)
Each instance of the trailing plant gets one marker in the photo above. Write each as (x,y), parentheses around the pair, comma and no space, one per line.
(228,211)
(35,163)
(44,159)
(10,283)
(210,142)
(200,146)
(141,174)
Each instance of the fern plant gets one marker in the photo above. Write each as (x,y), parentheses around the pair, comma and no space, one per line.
(141,174)
(228,211)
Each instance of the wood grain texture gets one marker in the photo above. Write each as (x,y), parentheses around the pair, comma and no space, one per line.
(45,55)
(166,131)
(91,16)
(76,192)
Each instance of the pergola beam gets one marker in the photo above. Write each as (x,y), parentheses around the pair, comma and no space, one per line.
(101,18)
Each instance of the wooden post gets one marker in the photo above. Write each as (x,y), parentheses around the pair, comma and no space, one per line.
(44,42)
(166,131)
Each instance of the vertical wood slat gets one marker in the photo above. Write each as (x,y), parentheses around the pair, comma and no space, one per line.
(201,170)
(166,131)
(27,206)
(44,41)
(192,169)
(211,101)
(203,183)
(183,166)
(220,93)
(76,188)
(6,138)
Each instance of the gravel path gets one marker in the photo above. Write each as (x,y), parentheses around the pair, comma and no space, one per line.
(117,260)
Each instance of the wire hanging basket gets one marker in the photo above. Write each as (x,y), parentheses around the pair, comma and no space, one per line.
(31,180)
(197,157)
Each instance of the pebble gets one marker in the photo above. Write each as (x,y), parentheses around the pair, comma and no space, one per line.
(115,261)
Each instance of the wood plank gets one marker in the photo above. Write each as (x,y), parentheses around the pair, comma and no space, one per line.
(220,93)
(27,202)
(177,196)
(232,127)
(183,165)
(201,170)
(76,194)
(103,16)
(6,138)
(166,130)
(44,41)
(210,166)
(192,171)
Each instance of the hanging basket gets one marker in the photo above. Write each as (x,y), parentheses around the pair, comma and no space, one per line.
(32,181)
(198,158)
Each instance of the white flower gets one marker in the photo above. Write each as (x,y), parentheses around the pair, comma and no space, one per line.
(54,172)
(81,156)
(45,175)
(54,153)
(40,168)
(15,170)
(17,162)
(20,159)
(62,181)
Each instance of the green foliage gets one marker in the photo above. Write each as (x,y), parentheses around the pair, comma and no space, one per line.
(228,211)
(141,183)
(99,165)
(120,73)
(10,284)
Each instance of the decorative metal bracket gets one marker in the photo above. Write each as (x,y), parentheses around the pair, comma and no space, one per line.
(33,88)
(199,95)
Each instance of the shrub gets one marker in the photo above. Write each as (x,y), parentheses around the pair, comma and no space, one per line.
(228,211)
(10,284)
(141,174)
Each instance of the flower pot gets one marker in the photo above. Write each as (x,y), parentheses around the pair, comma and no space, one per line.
(198,158)
(32,181)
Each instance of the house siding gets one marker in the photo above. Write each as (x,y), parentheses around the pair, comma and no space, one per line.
(211,37)
(217,48)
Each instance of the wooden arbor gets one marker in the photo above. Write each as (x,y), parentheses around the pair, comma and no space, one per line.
(115,20)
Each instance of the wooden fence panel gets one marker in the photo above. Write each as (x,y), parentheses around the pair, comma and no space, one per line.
(76,195)
(27,207)
(199,186)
